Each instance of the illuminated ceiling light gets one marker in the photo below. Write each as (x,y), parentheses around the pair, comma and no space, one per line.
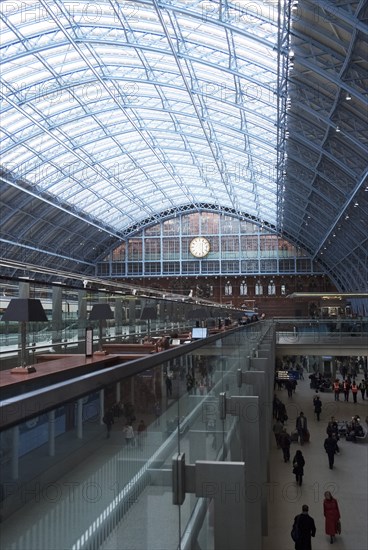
(348,97)
(337,129)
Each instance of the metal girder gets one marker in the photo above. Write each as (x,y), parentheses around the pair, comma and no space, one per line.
(238,108)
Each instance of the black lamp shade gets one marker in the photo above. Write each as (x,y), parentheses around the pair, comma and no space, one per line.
(26,310)
(100,312)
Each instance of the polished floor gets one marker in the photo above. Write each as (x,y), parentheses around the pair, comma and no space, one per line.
(348,480)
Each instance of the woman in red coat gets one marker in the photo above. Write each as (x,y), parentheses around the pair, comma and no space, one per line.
(332,515)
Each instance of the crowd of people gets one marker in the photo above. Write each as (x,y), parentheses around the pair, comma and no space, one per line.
(133,437)
(304,528)
(347,385)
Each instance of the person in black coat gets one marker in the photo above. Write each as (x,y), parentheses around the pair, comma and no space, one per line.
(108,420)
(331,448)
(307,529)
(302,427)
(285,442)
(298,467)
(317,403)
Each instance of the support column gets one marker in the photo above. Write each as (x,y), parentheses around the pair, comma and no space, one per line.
(247,408)
(80,418)
(23,336)
(118,392)
(118,316)
(82,320)
(15,453)
(132,315)
(102,405)
(259,382)
(51,430)
(57,314)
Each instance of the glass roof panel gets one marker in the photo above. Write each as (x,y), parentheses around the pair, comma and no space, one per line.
(110,102)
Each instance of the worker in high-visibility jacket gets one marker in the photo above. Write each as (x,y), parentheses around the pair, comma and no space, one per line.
(354,391)
(336,389)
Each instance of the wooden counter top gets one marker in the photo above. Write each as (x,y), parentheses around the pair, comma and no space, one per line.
(54,368)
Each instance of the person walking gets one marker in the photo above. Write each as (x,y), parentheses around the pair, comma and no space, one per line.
(336,389)
(289,387)
(168,383)
(331,448)
(354,391)
(298,467)
(362,386)
(285,442)
(302,427)
(317,406)
(277,429)
(346,388)
(306,529)
(332,516)
(157,411)
(128,435)
(333,429)
(108,420)
(141,433)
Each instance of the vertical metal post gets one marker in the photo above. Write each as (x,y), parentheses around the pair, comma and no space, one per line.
(258,380)
(51,431)
(247,408)
(225,483)
(118,392)
(15,453)
(102,405)
(80,419)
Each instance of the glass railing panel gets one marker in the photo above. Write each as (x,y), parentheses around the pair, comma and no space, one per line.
(72,483)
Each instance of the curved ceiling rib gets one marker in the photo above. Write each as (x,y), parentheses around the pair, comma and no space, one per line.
(119,114)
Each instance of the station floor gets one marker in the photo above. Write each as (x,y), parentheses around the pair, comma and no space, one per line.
(348,481)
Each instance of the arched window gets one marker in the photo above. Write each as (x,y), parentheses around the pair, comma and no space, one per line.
(258,288)
(271,289)
(243,288)
(228,289)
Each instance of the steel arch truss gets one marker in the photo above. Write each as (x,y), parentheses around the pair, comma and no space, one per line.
(116,115)
(326,200)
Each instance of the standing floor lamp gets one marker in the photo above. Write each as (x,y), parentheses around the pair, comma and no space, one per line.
(100,312)
(24,310)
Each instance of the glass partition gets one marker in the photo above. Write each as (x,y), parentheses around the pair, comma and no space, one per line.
(137,319)
(95,470)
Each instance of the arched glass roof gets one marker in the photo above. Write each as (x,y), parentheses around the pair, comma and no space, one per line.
(115,115)
(127,109)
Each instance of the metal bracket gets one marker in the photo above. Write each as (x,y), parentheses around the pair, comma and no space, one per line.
(225,484)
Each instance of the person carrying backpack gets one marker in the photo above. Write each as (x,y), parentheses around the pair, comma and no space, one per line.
(303,529)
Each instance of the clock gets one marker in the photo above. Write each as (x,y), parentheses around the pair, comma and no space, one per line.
(199,247)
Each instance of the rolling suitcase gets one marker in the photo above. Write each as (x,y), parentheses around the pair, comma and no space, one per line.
(294,436)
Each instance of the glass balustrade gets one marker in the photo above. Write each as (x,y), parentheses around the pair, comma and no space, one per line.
(70,482)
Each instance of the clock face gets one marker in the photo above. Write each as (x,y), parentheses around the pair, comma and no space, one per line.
(199,247)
